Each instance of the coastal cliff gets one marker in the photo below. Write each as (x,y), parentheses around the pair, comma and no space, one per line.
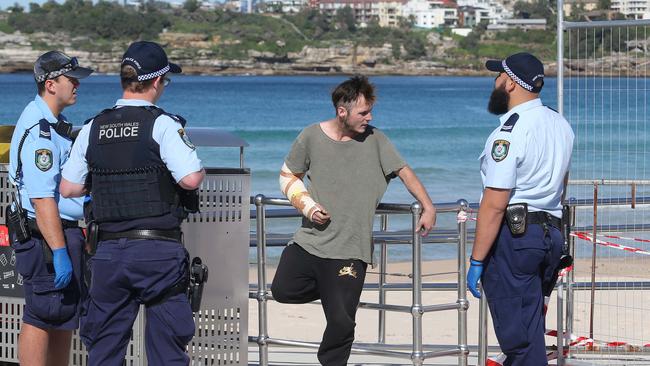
(196,53)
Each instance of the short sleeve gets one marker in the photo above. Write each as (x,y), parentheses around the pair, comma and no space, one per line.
(298,160)
(75,168)
(390,159)
(41,168)
(176,150)
(505,155)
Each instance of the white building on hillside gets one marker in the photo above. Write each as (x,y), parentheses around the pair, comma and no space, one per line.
(286,6)
(634,9)
(489,11)
(431,13)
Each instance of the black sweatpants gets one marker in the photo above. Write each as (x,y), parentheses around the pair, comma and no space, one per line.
(302,277)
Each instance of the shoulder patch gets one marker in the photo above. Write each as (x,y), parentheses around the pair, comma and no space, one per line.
(500,150)
(510,123)
(44,129)
(43,159)
(186,140)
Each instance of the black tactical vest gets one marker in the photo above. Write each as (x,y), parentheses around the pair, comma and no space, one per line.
(131,188)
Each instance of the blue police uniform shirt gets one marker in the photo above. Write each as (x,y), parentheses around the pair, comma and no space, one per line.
(529,153)
(42,159)
(176,150)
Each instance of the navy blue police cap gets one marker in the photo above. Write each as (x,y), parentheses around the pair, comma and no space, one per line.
(523,68)
(53,64)
(149,60)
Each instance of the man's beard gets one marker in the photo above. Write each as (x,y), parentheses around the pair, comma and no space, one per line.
(498,101)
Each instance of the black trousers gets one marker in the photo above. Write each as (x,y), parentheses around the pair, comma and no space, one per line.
(302,277)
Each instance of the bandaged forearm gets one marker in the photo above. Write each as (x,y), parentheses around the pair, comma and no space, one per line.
(294,189)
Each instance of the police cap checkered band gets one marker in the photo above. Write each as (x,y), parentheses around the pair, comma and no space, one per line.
(53,64)
(523,68)
(149,60)
(515,78)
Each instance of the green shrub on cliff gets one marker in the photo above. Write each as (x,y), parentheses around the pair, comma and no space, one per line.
(79,17)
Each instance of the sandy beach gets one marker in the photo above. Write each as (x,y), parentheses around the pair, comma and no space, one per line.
(618,315)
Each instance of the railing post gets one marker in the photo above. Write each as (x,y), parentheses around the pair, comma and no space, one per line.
(462,287)
(593,263)
(571,275)
(417,356)
(560,321)
(482,329)
(381,336)
(261,281)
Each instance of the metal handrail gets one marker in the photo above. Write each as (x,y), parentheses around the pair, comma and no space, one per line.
(417,354)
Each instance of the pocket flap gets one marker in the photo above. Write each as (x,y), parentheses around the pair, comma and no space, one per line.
(43,284)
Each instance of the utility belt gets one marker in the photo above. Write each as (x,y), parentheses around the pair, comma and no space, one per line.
(94,235)
(35,232)
(518,218)
(542,217)
(171,235)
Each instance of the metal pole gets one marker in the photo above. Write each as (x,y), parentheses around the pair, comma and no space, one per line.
(417,356)
(241,157)
(571,274)
(462,288)
(593,263)
(482,329)
(560,56)
(560,321)
(261,281)
(381,336)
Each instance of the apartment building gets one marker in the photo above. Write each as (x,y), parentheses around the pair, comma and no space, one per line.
(633,9)
(432,13)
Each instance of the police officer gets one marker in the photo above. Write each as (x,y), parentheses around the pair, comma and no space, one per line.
(49,261)
(524,167)
(137,163)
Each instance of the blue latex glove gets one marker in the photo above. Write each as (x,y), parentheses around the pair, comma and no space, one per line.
(473,276)
(62,267)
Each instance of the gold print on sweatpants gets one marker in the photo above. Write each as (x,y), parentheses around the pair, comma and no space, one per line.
(348,271)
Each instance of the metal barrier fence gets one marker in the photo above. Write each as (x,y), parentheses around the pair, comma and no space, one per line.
(419,351)
(603,92)
(219,234)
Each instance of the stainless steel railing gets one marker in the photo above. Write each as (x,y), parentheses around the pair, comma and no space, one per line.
(419,352)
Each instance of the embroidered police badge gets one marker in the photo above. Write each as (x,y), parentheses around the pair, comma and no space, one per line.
(186,139)
(43,159)
(500,150)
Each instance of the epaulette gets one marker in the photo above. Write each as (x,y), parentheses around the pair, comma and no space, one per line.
(157,111)
(44,129)
(176,118)
(510,123)
(553,109)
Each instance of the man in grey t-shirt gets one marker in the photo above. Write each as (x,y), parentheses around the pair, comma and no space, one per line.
(349,164)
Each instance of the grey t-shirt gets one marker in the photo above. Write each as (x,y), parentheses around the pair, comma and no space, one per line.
(348,178)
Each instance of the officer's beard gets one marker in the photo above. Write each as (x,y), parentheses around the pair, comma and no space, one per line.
(499,100)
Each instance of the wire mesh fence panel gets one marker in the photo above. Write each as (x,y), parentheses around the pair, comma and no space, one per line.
(606,100)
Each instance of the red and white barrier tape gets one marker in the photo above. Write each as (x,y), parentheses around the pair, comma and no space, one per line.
(588,343)
(589,238)
(623,238)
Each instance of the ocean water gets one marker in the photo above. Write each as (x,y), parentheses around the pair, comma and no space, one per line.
(439,125)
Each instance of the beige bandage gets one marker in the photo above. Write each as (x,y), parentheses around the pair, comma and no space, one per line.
(294,189)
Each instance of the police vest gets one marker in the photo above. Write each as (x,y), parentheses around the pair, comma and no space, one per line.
(130,185)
